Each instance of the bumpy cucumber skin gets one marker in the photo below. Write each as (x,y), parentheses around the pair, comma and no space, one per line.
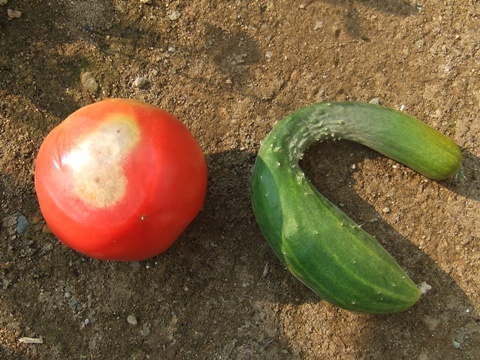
(316,241)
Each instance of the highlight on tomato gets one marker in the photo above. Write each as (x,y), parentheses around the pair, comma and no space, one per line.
(120,180)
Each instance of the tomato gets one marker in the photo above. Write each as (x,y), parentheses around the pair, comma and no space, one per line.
(120,180)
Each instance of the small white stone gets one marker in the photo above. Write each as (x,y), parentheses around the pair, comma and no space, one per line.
(132,320)
(424,287)
(266,270)
(14,14)
(318,25)
(88,82)
(174,15)
(30,340)
(140,82)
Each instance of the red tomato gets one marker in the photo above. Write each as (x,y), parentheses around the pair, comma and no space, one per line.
(120,180)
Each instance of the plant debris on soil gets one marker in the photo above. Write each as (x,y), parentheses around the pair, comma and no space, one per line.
(230,70)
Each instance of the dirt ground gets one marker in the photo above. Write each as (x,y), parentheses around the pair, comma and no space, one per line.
(229,70)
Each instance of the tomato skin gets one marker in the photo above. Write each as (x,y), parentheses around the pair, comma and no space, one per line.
(120,180)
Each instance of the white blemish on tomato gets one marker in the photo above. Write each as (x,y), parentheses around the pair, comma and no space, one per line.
(96,161)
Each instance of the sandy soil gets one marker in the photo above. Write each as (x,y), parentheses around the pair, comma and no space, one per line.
(229,70)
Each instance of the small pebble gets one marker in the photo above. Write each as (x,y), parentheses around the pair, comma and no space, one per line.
(266,270)
(46,229)
(14,14)
(424,287)
(30,340)
(88,82)
(386,210)
(132,320)
(174,15)
(37,218)
(431,322)
(146,330)
(318,25)
(22,224)
(140,82)
(375,101)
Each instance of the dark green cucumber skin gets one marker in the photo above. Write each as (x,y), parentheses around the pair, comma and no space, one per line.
(316,241)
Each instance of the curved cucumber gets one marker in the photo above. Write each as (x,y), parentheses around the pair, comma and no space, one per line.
(317,242)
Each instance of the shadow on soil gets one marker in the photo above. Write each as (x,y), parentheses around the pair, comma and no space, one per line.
(353,19)
(396,7)
(468,175)
(228,210)
(210,283)
(42,60)
(329,167)
(43,77)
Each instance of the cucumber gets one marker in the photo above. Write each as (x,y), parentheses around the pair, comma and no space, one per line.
(316,241)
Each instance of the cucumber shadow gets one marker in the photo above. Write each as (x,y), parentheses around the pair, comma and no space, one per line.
(334,170)
(464,183)
(251,263)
